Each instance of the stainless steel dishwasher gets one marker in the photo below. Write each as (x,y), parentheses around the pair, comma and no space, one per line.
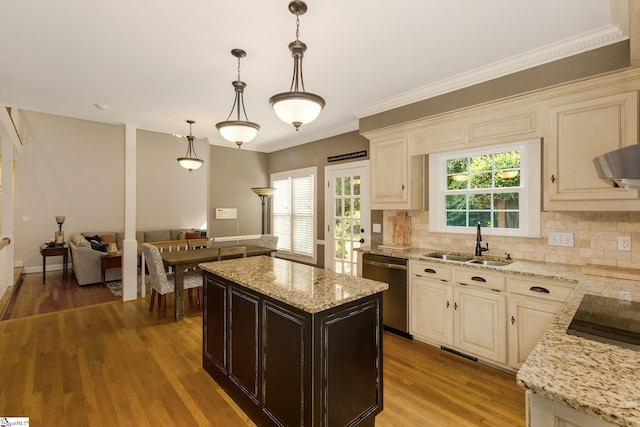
(395,300)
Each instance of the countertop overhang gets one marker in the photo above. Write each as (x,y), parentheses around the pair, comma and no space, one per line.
(308,288)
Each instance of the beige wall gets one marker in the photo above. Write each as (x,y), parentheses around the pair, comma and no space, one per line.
(75,168)
(169,196)
(67,167)
(315,154)
(233,172)
(591,63)
(595,238)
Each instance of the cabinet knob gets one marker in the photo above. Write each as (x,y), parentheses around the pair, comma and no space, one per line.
(455,305)
(429,270)
(402,187)
(478,279)
(513,320)
(361,240)
(553,178)
(448,304)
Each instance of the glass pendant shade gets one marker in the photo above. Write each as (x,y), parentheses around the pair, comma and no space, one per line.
(190,161)
(238,131)
(297,108)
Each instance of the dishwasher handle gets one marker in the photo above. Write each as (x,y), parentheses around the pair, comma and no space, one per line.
(385,265)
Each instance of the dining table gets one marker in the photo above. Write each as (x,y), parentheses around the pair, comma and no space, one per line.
(180,261)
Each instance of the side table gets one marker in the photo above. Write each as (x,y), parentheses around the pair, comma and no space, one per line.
(62,251)
(110,261)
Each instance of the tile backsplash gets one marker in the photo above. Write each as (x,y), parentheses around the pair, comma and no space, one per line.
(595,238)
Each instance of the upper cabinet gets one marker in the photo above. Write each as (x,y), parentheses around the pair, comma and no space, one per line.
(396,178)
(581,127)
(576,122)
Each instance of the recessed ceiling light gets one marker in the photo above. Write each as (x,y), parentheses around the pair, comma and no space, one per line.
(101,106)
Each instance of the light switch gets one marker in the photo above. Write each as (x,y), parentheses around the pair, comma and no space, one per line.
(377,228)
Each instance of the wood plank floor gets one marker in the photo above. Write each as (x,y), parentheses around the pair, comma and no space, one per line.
(114,363)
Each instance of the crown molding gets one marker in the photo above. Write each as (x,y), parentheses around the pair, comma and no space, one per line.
(583,43)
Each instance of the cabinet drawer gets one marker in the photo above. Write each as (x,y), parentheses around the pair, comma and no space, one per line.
(481,279)
(430,271)
(539,288)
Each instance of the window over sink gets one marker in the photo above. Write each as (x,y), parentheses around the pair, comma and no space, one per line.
(497,186)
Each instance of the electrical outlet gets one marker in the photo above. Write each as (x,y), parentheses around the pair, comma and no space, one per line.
(561,239)
(624,243)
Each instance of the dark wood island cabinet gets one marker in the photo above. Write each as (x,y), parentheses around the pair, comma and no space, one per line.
(294,345)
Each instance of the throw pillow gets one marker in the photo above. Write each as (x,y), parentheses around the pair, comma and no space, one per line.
(90,238)
(98,246)
(192,235)
(108,238)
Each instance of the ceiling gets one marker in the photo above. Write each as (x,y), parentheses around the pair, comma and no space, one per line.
(155,63)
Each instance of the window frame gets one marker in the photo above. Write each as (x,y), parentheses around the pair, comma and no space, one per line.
(290,175)
(530,188)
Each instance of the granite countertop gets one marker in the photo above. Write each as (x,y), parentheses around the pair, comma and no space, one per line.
(542,270)
(302,286)
(599,379)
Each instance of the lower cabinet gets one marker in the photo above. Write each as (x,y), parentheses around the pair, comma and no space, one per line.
(495,317)
(528,320)
(287,367)
(467,318)
(542,412)
(479,326)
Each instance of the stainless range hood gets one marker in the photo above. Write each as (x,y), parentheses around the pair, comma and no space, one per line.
(620,168)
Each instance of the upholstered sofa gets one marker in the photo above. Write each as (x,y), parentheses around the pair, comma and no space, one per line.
(85,260)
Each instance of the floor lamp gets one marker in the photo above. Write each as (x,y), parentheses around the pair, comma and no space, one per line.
(264,193)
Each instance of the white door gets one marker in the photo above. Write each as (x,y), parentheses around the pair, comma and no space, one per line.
(347,215)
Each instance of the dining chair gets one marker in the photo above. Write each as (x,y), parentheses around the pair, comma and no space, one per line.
(268,241)
(163,283)
(230,252)
(199,243)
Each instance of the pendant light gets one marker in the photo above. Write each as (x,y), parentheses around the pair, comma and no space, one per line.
(190,161)
(297,106)
(238,131)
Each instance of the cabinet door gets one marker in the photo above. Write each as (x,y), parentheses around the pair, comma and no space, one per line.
(479,323)
(389,172)
(244,341)
(215,323)
(432,310)
(528,320)
(580,130)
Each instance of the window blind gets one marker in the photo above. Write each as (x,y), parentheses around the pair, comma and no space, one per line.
(293,215)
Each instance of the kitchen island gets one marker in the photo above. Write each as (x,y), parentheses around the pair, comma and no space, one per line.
(293,344)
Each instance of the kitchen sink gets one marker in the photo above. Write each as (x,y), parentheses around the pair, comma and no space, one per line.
(449,257)
(489,262)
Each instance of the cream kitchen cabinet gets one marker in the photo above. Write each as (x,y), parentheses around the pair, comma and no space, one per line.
(467,318)
(544,412)
(532,305)
(480,306)
(582,126)
(396,178)
(431,312)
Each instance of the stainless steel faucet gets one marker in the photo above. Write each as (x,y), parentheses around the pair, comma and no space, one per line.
(479,248)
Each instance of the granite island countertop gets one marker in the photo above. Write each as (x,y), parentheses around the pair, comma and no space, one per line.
(599,379)
(308,288)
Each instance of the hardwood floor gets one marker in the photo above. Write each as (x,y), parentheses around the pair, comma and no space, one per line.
(114,363)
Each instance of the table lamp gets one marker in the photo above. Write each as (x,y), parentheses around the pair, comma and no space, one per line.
(59,236)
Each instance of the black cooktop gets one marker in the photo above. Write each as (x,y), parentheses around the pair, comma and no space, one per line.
(609,320)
